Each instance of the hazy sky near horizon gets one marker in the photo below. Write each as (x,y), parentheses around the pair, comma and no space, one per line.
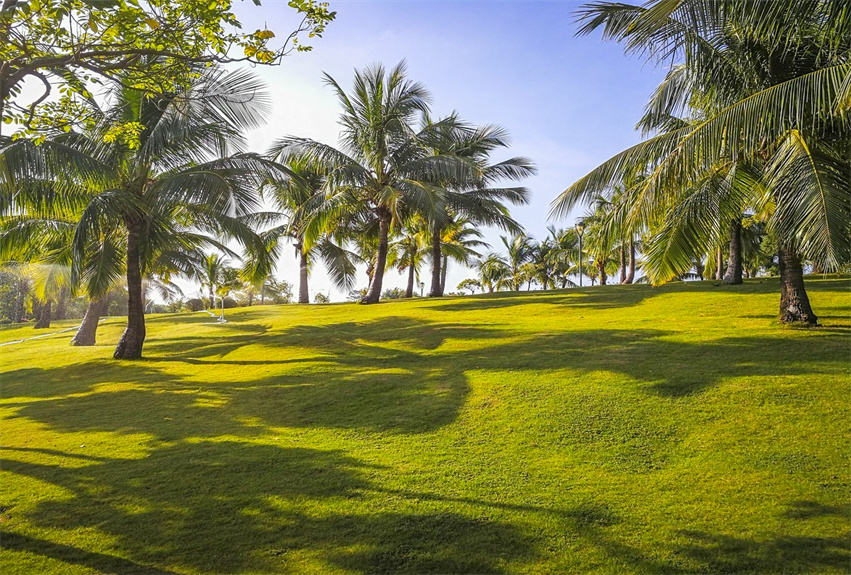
(568,102)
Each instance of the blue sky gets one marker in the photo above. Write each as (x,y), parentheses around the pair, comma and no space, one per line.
(568,102)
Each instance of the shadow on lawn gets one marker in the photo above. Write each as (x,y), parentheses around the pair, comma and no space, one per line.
(223,507)
(386,375)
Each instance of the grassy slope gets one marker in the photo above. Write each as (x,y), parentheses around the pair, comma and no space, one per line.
(617,429)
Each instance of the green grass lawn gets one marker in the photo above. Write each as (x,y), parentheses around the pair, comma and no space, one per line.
(611,430)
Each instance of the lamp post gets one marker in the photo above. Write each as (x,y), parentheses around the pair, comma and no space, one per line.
(580,229)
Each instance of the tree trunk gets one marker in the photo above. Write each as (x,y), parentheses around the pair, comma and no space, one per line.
(44,315)
(436,259)
(409,290)
(263,294)
(250,298)
(61,305)
(794,303)
(373,294)
(699,268)
(443,269)
(630,274)
(733,275)
(623,264)
(603,276)
(130,344)
(87,332)
(719,265)
(303,293)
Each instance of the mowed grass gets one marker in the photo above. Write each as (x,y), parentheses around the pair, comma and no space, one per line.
(612,430)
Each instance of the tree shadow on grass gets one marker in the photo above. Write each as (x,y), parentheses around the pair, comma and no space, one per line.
(392,375)
(226,507)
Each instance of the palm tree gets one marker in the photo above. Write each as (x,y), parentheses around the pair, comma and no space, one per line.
(211,275)
(459,241)
(774,74)
(520,248)
(494,271)
(383,172)
(179,160)
(297,194)
(479,200)
(409,249)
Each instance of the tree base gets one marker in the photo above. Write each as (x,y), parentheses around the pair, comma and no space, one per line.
(129,346)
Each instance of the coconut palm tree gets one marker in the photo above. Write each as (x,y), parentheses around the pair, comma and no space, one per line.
(181,155)
(409,249)
(383,172)
(459,241)
(479,201)
(520,248)
(297,193)
(776,75)
(494,272)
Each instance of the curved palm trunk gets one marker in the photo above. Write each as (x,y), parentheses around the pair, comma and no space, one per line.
(630,274)
(44,315)
(436,260)
(794,303)
(87,332)
(733,275)
(303,293)
(374,292)
(622,270)
(130,344)
(409,291)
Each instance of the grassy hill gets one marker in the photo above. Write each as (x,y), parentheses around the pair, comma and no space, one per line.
(616,429)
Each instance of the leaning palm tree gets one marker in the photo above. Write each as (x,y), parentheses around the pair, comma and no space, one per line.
(181,155)
(775,74)
(382,171)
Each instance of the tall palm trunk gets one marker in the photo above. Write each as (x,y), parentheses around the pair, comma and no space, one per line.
(630,274)
(436,259)
(794,303)
(601,266)
(87,332)
(44,315)
(443,268)
(622,251)
(719,264)
(734,263)
(374,292)
(409,291)
(303,293)
(130,344)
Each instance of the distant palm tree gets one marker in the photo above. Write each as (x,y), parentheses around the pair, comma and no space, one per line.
(520,249)
(494,272)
